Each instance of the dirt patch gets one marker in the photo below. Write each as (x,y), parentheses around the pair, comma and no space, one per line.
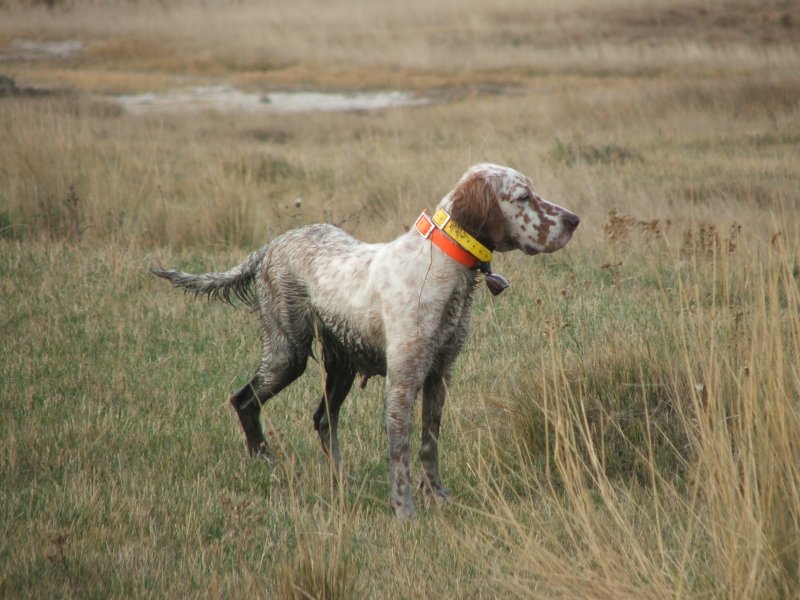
(729,22)
(9,87)
(770,22)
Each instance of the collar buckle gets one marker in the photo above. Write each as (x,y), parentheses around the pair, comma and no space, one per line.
(442,223)
(425,232)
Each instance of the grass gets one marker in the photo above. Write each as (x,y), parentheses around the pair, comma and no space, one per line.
(623,423)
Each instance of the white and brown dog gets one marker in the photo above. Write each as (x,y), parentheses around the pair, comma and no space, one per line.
(399,309)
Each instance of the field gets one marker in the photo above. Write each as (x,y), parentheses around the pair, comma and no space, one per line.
(625,421)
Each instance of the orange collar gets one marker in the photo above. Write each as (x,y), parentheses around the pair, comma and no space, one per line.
(428,229)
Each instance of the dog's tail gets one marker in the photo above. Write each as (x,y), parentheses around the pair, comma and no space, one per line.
(237,282)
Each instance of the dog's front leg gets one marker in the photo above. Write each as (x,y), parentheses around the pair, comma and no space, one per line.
(399,402)
(433,396)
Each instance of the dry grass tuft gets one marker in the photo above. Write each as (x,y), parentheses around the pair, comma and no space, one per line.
(315,573)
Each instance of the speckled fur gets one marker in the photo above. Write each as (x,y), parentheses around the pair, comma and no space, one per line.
(400,310)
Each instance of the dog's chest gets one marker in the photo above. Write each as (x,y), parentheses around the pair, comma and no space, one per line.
(453,328)
(436,326)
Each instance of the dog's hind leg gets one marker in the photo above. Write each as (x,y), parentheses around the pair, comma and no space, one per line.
(247,404)
(273,375)
(339,376)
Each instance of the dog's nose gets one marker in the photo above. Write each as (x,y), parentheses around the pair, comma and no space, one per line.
(572,220)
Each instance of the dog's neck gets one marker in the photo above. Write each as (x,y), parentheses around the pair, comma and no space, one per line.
(452,239)
(478,234)
(441,231)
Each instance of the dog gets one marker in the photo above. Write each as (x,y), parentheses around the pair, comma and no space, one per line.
(399,309)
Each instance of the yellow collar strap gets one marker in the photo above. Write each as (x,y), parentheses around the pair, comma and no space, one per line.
(465,240)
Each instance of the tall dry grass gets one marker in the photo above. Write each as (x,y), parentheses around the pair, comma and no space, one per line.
(156,180)
(676,473)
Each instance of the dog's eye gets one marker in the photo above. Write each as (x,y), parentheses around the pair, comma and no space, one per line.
(526,197)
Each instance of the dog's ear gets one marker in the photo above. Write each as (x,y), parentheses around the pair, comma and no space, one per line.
(476,209)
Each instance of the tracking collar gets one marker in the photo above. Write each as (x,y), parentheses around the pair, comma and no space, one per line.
(459,245)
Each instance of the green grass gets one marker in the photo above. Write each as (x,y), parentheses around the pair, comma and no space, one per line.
(125,473)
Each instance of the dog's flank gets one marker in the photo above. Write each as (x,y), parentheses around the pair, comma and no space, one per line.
(399,309)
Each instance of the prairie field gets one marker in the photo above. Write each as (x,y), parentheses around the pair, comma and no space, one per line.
(624,421)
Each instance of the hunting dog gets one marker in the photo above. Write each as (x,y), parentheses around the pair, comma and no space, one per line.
(399,309)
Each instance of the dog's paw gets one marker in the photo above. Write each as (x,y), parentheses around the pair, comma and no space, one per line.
(433,493)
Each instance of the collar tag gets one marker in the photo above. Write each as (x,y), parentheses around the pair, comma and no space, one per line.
(497,284)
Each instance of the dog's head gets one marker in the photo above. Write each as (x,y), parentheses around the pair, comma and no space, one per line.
(499,207)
